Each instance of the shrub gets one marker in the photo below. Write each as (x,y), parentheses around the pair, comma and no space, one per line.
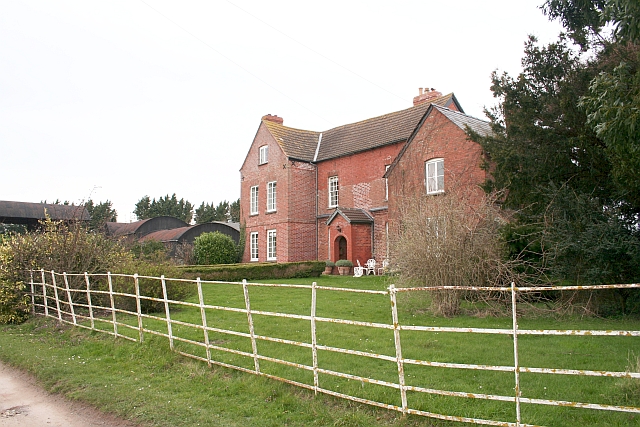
(330,263)
(176,290)
(255,271)
(150,250)
(56,246)
(344,263)
(214,248)
(452,239)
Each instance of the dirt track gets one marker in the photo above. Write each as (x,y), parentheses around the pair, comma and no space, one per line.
(23,403)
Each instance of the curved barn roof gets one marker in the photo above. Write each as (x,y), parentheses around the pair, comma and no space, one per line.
(144,227)
(189,233)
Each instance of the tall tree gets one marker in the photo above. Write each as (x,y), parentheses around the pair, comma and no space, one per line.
(100,213)
(571,184)
(224,211)
(169,206)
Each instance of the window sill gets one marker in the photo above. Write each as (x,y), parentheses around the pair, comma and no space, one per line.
(270,212)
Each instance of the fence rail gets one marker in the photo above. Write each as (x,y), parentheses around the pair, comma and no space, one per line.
(92,302)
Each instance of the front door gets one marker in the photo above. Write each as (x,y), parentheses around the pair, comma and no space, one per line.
(342,247)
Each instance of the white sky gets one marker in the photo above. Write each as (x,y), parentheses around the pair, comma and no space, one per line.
(120,99)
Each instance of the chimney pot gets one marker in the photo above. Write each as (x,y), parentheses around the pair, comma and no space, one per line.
(420,89)
(274,118)
(426,95)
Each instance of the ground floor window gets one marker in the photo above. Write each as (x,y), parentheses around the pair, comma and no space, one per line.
(271,245)
(254,246)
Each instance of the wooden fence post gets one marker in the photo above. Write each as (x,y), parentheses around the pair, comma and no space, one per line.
(86,279)
(254,346)
(166,310)
(136,284)
(44,293)
(516,363)
(113,305)
(55,292)
(204,321)
(314,340)
(396,336)
(68,290)
(33,295)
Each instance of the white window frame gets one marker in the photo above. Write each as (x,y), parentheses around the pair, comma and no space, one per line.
(271,245)
(334,191)
(271,196)
(264,154)
(254,246)
(253,203)
(434,173)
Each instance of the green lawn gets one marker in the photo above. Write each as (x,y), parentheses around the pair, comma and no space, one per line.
(64,363)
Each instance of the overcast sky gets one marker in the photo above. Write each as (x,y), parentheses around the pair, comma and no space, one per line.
(120,99)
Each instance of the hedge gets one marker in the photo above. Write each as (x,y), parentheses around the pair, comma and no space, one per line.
(254,271)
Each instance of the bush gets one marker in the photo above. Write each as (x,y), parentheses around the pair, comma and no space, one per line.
(330,263)
(149,250)
(214,248)
(255,271)
(344,263)
(452,239)
(176,290)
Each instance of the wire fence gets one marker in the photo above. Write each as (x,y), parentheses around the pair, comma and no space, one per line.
(131,306)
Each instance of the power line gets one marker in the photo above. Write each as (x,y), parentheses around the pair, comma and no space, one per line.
(316,52)
(232,61)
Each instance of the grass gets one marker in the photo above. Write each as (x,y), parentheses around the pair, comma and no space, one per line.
(141,380)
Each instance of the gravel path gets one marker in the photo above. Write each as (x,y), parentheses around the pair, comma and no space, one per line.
(23,403)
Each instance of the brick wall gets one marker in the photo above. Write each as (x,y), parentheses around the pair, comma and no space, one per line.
(437,138)
(252,173)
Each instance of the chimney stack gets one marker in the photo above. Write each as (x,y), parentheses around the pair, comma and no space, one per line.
(425,95)
(274,119)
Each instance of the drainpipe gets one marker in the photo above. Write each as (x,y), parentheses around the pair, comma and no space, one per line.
(315,158)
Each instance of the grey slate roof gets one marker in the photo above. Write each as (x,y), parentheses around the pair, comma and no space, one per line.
(462,120)
(354,137)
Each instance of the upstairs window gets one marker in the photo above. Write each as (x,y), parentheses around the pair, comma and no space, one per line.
(435,176)
(271,196)
(264,154)
(333,191)
(254,200)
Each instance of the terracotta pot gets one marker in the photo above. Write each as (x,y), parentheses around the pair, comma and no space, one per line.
(344,271)
(328,270)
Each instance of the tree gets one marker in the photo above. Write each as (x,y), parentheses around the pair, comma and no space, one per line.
(100,213)
(565,147)
(224,211)
(214,248)
(169,206)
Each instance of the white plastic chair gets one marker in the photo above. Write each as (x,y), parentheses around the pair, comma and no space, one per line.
(359,270)
(385,266)
(370,266)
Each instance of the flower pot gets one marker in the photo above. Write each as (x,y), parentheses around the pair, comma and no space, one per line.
(344,271)
(328,269)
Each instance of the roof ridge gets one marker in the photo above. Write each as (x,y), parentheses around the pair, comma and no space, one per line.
(269,123)
(422,105)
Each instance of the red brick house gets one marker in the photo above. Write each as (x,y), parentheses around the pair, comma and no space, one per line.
(308,195)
